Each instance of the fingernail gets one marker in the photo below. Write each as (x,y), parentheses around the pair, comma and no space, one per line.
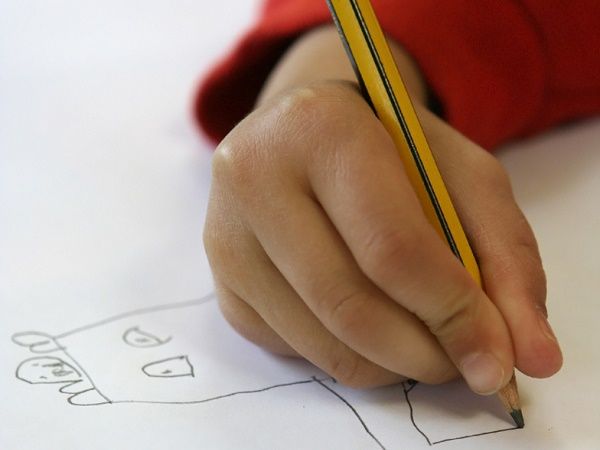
(546,328)
(483,373)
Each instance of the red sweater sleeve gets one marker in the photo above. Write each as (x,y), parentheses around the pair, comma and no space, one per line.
(501,69)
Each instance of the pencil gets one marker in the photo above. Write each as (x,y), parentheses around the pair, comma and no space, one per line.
(382,84)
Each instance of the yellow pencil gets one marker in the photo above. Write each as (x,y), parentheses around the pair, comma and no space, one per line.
(381,82)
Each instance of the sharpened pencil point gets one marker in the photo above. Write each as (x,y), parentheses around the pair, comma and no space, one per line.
(517,416)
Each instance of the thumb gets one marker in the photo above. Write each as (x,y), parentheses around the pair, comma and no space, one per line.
(473,333)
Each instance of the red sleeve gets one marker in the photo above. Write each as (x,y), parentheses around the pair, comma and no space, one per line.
(501,69)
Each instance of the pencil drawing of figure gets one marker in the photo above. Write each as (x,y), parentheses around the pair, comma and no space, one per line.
(186,354)
(163,355)
(47,370)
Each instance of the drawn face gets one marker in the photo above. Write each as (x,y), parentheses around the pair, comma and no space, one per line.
(177,366)
(186,353)
(47,369)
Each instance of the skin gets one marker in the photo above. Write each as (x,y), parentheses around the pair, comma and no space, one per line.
(319,247)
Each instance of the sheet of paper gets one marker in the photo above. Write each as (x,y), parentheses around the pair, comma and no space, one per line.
(110,335)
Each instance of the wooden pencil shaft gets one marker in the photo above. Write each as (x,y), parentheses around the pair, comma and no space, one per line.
(382,83)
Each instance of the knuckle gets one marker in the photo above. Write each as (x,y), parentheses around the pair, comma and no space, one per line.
(233,316)
(386,248)
(525,251)
(242,318)
(524,240)
(300,123)
(539,289)
(305,102)
(455,314)
(515,260)
(318,97)
(346,369)
(234,162)
(247,331)
(521,257)
(301,108)
(307,112)
(439,373)
(346,311)
(318,109)
(487,171)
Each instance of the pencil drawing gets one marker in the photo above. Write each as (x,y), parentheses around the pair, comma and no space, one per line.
(139,338)
(46,370)
(157,356)
(178,366)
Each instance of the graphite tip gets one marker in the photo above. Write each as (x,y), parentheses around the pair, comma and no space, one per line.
(517,416)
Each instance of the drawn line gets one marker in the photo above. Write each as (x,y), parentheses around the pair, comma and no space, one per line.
(412,384)
(412,412)
(205,299)
(474,435)
(135,342)
(150,309)
(360,419)
(35,346)
(83,371)
(69,385)
(184,358)
(25,361)
(70,399)
(231,394)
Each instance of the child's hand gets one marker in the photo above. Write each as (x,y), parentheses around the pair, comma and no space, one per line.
(320,248)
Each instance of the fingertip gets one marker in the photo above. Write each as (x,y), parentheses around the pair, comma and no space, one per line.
(541,368)
(484,373)
(541,363)
(539,356)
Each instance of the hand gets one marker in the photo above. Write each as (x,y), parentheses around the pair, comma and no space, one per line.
(319,248)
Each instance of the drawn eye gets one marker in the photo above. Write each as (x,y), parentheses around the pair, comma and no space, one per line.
(178,366)
(142,339)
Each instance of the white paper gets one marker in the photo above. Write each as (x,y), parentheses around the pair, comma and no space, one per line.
(110,336)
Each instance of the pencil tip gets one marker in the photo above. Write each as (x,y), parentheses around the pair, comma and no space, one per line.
(517,416)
